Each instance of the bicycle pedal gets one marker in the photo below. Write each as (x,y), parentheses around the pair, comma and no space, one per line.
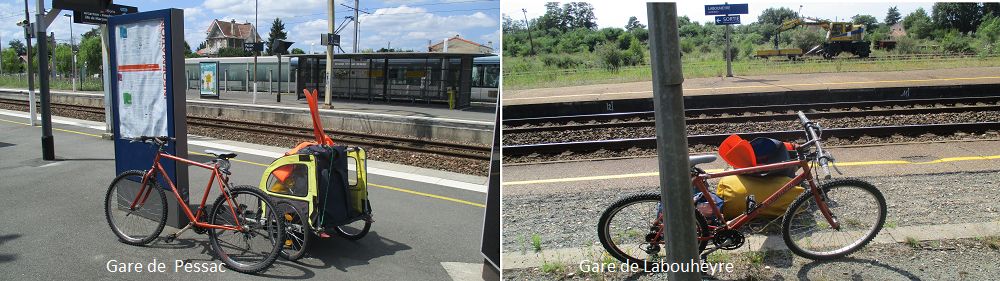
(751,205)
(324,235)
(171,237)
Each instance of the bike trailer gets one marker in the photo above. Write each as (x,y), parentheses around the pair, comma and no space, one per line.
(328,181)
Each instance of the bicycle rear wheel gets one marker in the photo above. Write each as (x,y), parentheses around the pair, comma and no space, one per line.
(257,244)
(857,206)
(354,230)
(142,224)
(297,231)
(628,227)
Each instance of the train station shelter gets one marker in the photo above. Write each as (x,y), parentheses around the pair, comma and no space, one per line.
(409,76)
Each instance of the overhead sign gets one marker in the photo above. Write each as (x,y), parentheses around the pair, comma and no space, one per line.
(727,9)
(724,20)
(329,39)
(101,16)
(80,5)
(253,47)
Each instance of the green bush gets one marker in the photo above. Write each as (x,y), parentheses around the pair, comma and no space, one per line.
(610,57)
(560,61)
(907,45)
(625,41)
(808,39)
(747,48)
(958,44)
(687,46)
(734,49)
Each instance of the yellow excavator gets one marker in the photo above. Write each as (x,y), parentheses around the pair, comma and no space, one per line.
(840,37)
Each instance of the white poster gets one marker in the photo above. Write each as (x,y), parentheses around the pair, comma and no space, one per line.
(142,85)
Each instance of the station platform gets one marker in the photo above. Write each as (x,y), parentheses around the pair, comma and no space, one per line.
(419,119)
(54,225)
(760,84)
(718,92)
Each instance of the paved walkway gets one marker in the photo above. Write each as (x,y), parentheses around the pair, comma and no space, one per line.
(763,83)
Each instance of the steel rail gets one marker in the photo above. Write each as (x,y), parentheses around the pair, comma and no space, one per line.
(352,138)
(715,139)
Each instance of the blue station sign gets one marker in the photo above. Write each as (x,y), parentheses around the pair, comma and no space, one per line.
(726,20)
(727,9)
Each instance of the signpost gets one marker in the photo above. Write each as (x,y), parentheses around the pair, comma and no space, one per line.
(148,96)
(330,39)
(727,20)
(253,47)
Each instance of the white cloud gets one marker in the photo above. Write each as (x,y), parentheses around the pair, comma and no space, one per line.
(396,2)
(194,13)
(495,37)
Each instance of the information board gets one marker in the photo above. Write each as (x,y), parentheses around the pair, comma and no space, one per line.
(146,53)
(209,79)
(724,20)
(141,91)
(727,9)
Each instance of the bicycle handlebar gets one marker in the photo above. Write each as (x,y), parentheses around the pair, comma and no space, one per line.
(823,158)
(157,140)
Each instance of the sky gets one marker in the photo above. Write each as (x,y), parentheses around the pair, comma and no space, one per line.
(398,24)
(616,13)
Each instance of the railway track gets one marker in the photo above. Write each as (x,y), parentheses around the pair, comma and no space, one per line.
(715,139)
(340,137)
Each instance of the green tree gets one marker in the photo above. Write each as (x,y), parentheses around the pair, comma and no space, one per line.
(510,26)
(11,61)
(989,30)
(634,24)
(579,15)
(297,51)
(226,52)
(277,32)
(553,18)
(18,47)
(962,16)
(868,21)
(63,59)
(90,54)
(776,16)
(94,32)
(187,48)
(893,16)
(918,24)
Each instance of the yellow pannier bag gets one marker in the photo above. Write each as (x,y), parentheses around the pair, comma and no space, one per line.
(735,189)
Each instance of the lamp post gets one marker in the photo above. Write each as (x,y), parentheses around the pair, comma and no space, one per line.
(31,77)
(72,50)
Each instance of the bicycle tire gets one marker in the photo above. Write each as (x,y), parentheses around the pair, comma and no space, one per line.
(354,230)
(647,216)
(806,223)
(148,218)
(297,231)
(259,219)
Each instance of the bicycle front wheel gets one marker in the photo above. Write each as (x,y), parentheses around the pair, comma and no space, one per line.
(628,228)
(257,244)
(855,205)
(142,223)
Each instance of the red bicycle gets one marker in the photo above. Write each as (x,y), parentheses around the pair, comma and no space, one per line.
(828,221)
(243,226)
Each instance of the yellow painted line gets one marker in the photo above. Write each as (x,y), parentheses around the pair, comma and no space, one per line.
(769,86)
(429,195)
(57,129)
(864,163)
(259,164)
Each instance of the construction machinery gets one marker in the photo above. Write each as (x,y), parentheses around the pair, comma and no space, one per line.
(840,37)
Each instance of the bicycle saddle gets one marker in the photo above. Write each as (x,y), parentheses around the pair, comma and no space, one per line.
(701,159)
(221,154)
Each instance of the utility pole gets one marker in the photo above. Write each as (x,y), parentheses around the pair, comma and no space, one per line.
(31,76)
(255,53)
(528,27)
(72,51)
(329,55)
(48,143)
(356,22)
(671,142)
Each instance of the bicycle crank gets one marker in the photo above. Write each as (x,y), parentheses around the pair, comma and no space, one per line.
(172,236)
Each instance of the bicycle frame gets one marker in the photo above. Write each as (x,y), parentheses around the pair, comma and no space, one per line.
(216,175)
(700,178)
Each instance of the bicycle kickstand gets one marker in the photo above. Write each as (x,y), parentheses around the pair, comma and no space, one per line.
(717,247)
(172,236)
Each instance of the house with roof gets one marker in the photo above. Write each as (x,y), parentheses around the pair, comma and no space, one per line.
(896,30)
(221,34)
(459,45)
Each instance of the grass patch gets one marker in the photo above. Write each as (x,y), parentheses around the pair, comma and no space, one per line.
(536,242)
(556,267)
(88,83)
(991,241)
(912,242)
(718,257)
(889,224)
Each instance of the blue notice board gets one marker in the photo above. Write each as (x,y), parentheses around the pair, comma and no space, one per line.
(727,9)
(146,51)
(209,79)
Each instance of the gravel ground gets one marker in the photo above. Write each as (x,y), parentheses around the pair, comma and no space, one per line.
(569,220)
(423,160)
